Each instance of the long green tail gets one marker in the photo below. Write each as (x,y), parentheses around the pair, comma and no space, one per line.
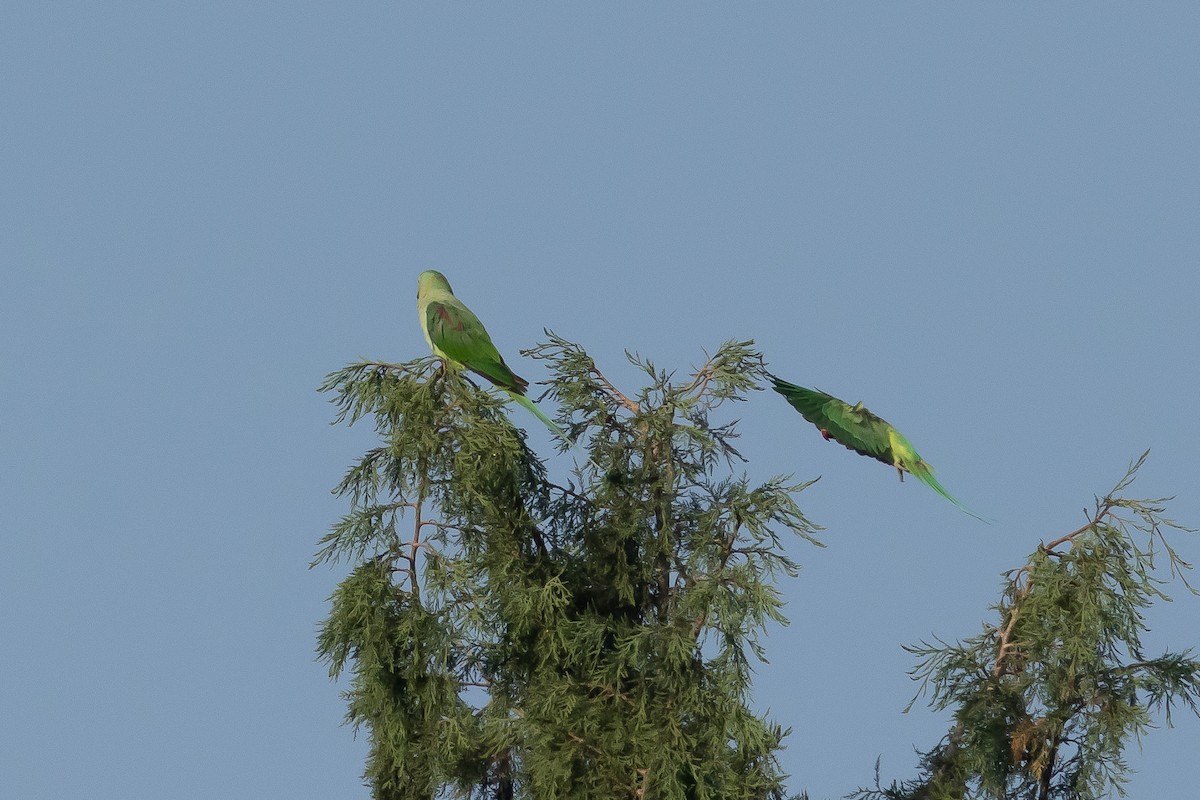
(537,412)
(924,474)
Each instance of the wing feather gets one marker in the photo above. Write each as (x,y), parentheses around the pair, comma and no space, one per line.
(458,333)
(853,427)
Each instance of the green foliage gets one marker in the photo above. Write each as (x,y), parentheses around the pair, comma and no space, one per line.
(1046,699)
(510,636)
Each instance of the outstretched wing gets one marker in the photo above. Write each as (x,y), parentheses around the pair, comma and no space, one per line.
(862,432)
(460,336)
(854,427)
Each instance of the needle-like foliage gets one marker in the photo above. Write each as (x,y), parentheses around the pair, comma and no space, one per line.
(508,636)
(1047,697)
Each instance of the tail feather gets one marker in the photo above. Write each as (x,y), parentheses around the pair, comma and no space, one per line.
(557,431)
(537,412)
(924,474)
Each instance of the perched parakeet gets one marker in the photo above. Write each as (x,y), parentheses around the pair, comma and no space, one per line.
(458,337)
(859,430)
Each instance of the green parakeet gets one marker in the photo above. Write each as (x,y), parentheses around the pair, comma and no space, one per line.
(859,430)
(458,337)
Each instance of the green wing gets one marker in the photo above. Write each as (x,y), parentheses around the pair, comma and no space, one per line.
(862,432)
(459,335)
(851,426)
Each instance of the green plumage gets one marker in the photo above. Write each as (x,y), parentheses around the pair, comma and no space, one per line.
(456,335)
(857,429)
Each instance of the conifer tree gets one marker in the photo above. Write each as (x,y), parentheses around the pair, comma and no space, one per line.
(510,634)
(1046,698)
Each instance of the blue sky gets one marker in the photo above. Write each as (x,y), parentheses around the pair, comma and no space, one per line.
(979,219)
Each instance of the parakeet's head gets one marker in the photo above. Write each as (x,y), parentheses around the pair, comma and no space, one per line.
(432,280)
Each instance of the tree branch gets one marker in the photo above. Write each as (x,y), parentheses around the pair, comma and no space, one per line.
(613,390)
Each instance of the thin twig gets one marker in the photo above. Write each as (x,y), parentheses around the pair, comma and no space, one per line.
(614,391)
(1101,513)
(701,378)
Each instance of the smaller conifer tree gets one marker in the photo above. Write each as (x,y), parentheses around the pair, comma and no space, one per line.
(1046,698)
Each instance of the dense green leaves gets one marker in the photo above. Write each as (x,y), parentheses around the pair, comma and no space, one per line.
(510,636)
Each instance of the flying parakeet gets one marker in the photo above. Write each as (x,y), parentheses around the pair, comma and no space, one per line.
(859,430)
(458,337)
